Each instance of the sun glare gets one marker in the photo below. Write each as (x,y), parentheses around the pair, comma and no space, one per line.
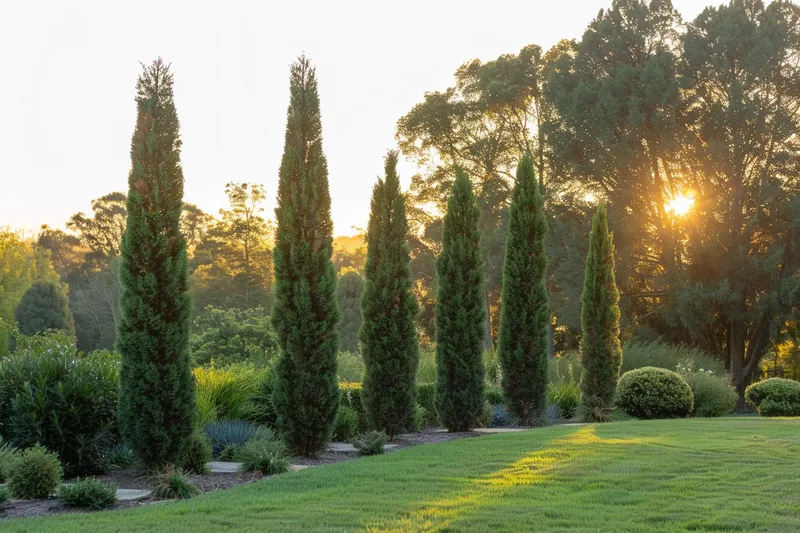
(680,205)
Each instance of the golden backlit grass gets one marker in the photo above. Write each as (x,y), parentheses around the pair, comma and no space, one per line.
(733,474)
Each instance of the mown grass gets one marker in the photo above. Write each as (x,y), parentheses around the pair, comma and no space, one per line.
(730,474)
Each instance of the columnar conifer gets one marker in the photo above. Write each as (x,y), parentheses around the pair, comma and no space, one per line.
(522,344)
(156,401)
(460,313)
(305,314)
(601,353)
(388,335)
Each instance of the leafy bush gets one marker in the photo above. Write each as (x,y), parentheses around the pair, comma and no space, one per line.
(566,396)
(5,495)
(672,357)
(53,395)
(7,454)
(775,397)
(371,443)
(349,367)
(351,397)
(346,425)
(713,395)
(262,400)
(169,482)
(34,474)
(232,434)
(197,454)
(227,394)
(426,399)
(266,456)
(224,337)
(651,392)
(117,456)
(89,492)
(494,395)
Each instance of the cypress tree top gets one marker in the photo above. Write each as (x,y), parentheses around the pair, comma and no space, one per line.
(601,353)
(156,402)
(305,313)
(522,346)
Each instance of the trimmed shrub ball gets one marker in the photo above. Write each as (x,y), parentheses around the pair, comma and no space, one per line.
(650,392)
(775,397)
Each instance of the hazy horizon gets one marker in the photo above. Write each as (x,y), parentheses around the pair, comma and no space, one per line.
(66,136)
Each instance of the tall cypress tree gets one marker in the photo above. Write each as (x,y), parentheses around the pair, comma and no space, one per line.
(522,346)
(156,401)
(460,313)
(305,314)
(388,335)
(601,353)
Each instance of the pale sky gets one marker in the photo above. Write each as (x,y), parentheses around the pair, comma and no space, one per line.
(70,70)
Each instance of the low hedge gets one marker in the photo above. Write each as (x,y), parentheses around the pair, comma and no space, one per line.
(651,392)
(775,397)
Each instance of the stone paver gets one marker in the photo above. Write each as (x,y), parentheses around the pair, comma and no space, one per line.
(342,447)
(133,495)
(294,468)
(223,467)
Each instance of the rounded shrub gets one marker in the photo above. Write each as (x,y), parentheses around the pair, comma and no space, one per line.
(775,397)
(197,454)
(713,395)
(651,392)
(371,443)
(89,492)
(34,474)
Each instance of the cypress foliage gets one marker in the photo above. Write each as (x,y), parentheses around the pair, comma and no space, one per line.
(601,353)
(349,289)
(460,313)
(305,314)
(44,306)
(388,335)
(522,344)
(156,401)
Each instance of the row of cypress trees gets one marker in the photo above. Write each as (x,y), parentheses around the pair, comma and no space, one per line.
(156,405)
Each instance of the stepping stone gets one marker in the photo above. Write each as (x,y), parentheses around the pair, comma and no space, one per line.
(133,495)
(295,468)
(223,467)
(342,447)
(492,431)
(388,447)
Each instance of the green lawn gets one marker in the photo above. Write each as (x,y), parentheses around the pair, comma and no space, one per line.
(733,474)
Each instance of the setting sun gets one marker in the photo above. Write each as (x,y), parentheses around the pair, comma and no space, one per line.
(680,205)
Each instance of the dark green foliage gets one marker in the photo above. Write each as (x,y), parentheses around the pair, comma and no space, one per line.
(426,401)
(346,425)
(44,306)
(156,401)
(713,395)
(55,396)
(348,292)
(460,313)
(494,396)
(197,454)
(5,495)
(230,336)
(231,434)
(261,455)
(775,397)
(117,456)
(566,396)
(525,315)
(88,492)
(305,314)
(651,392)
(7,454)
(352,397)
(34,474)
(262,400)
(388,336)
(371,443)
(168,481)
(601,353)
